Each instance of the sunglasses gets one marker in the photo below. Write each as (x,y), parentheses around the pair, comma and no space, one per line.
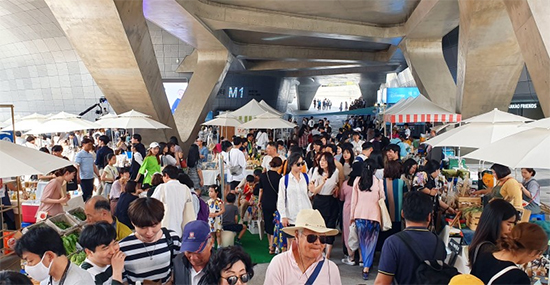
(300,163)
(313,238)
(232,280)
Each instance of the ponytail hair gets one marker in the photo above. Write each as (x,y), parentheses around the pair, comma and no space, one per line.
(524,237)
(367,174)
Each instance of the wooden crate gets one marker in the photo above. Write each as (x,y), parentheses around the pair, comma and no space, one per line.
(467,202)
(473,220)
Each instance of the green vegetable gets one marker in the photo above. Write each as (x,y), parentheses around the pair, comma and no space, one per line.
(78,258)
(79,215)
(62,225)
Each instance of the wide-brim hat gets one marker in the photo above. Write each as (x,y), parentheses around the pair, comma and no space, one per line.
(312,220)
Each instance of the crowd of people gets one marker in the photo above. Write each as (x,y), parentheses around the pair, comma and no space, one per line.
(147,221)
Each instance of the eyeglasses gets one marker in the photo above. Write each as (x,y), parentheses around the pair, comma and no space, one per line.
(313,238)
(232,280)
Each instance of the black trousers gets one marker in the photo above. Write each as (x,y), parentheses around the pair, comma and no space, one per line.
(328,206)
(87,186)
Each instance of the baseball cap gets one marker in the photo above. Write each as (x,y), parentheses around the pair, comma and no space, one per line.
(195,236)
(154,144)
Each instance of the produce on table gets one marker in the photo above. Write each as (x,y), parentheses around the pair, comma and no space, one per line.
(78,258)
(79,215)
(62,225)
(69,243)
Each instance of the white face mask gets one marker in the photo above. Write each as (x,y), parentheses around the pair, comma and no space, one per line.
(39,271)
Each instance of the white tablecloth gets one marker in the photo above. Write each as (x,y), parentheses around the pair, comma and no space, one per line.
(209,176)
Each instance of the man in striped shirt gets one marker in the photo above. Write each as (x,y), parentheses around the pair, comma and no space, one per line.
(149,251)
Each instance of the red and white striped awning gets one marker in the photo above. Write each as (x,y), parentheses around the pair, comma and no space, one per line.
(422,118)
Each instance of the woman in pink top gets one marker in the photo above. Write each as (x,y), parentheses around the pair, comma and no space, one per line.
(345,196)
(366,215)
(52,199)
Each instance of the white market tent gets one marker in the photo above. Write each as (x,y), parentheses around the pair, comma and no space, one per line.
(249,111)
(267,121)
(399,105)
(420,109)
(269,108)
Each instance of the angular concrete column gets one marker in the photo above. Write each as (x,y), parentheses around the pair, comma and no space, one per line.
(369,86)
(489,58)
(113,41)
(430,70)
(532,28)
(306,92)
(208,75)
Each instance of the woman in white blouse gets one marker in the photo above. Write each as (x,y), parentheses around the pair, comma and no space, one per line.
(324,185)
(293,192)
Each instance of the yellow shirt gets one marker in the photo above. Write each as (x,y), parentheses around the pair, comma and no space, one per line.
(122,230)
(511,191)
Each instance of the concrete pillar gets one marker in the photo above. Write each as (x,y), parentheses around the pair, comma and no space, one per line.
(284,94)
(430,70)
(532,29)
(208,75)
(489,58)
(306,91)
(369,85)
(113,41)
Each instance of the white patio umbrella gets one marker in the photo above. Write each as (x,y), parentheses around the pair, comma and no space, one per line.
(529,148)
(496,116)
(267,121)
(224,120)
(132,120)
(475,135)
(27,122)
(63,122)
(19,160)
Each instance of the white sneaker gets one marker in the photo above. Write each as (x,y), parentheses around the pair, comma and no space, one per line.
(347,261)
(361,263)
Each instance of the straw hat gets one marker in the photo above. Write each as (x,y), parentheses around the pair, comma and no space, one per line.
(311,220)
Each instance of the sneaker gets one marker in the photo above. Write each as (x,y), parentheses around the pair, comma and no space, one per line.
(361,263)
(365,276)
(347,261)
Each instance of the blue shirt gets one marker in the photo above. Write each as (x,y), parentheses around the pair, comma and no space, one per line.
(398,261)
(85,162)
(204,152)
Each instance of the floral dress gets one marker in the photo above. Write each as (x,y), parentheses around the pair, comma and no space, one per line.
(214,205)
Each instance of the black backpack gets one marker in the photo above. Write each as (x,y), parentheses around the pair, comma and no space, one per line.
(429,271)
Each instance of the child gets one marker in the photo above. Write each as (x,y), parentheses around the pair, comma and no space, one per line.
(110,173)
(248,192)
(104,260)
(216,207)
(231,218)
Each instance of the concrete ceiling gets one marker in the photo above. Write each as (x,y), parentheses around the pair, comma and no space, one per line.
(377,12)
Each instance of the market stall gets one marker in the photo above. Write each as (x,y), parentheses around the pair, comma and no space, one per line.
(250,110)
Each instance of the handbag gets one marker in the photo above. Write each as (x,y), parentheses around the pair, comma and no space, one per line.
(353,239)
(385,219)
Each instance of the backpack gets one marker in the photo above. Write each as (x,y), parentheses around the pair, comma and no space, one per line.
(429,271)
(203,211)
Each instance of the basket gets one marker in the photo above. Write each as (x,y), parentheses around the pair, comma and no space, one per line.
(63,217)
(76,219)
(467,202)
(545,208)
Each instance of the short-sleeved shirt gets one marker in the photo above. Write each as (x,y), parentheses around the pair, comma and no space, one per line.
(51,191)
(204,152)
(100,156)
(229,216)
(398,261)
(75,275)
(148,261)
(85,161)
(487,266)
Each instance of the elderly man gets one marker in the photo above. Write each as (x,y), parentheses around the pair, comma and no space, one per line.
(98,209)
(196,252)
(271,152)
(304,262)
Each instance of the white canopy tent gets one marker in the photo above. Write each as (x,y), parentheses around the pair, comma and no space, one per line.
(269,108)
(420,109)
(249,111)
(267,121)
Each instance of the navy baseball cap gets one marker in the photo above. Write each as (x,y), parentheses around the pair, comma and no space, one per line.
(195,236)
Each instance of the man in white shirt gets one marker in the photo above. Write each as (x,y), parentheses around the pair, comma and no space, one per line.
(261,139)
(407,131)
(304,263)
(357,142)
(177,200)
(271,153)
(104,260)
(235,159)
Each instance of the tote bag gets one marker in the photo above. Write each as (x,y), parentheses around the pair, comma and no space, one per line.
(385,223)
(353,239)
